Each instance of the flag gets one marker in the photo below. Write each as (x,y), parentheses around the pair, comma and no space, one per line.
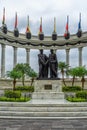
(79,24)
(67,27)
(41,26)
(28,29)
(3,21)
(16,21)
(67,24)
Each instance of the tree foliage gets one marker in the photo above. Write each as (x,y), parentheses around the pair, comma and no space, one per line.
(14,75)
(78,72)
(24,68)
(63,67)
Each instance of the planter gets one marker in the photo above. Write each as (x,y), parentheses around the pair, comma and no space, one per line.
(4,29)
(28,35)
(79,33)
(41,36)
(67,36)
(16,32)
(54,36)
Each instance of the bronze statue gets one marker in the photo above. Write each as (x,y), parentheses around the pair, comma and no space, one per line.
(53,64)
(43,65)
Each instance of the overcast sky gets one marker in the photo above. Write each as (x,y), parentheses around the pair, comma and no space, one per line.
(47,9)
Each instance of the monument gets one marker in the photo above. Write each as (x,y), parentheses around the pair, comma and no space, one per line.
(47,87)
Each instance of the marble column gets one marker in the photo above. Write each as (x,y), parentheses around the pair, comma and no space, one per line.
(67,59)
(14,56)
(67,56)
(2,60)
(27,55)
(80,56)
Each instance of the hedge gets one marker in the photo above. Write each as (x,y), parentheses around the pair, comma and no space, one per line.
(81,94)
(25,88)
(22,99)
(76,99)
(12,94)
(71,88)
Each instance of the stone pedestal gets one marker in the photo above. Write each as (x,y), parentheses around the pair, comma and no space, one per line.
(48,89)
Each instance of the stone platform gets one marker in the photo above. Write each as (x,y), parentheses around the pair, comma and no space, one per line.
(48,89)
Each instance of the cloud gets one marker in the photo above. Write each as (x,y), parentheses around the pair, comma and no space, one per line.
(48,10)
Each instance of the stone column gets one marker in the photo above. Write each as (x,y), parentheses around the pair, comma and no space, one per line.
(14,56)
(2,60)
(80,56)
(28,55)
(67,56)
(67,59)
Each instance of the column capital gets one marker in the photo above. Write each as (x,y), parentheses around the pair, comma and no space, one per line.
(27,49)
(80,48)
(3,45)
(67,50)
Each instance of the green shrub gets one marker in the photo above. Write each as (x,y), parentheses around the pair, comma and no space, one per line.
(81,94)
(71,88)
(22,99)
(12,94)
(25,88)
(76,99)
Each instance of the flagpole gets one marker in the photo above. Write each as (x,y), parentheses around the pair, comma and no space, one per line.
(67,22)
(28,20)
(16,20)
(54,24)
(80,17)
(3,22)
(41,21)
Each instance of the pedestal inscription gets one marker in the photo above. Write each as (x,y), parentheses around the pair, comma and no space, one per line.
(48,86)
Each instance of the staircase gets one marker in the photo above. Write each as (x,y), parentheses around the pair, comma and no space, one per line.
(27,110)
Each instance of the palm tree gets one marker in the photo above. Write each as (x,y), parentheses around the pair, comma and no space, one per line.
(14,75)
(24,68)
(32,74)
(73,73)
(63,67)
(82,72)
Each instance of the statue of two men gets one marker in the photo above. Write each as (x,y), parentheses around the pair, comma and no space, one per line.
(46,63)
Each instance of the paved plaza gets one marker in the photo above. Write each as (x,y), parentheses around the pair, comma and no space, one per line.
(43,124)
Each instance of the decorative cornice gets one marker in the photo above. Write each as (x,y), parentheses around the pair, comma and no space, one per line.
(35,43)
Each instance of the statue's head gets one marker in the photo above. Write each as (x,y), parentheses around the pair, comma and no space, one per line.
(51,51)
(41,51)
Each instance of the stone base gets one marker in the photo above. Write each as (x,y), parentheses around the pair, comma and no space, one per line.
(48,89)
(48,95)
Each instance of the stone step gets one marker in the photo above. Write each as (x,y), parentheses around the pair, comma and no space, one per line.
(27,104)
(44,109)
(43,114)
(15,109)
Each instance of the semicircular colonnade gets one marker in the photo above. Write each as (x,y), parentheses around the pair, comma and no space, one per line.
(35,43)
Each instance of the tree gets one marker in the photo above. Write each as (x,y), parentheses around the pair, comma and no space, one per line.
(82,72)
(14,75)
(24,68)
(32,74)
(63,67)
(73,72)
